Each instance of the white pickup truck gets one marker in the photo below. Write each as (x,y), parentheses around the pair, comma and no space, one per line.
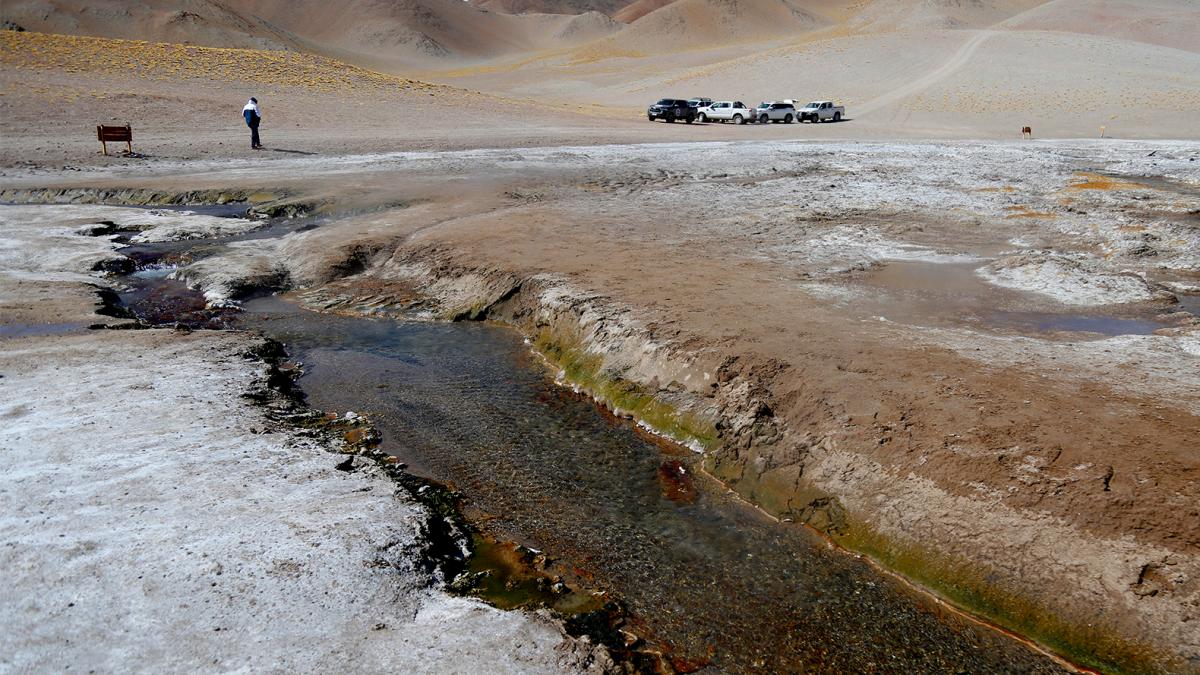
(821,111)
(726,111)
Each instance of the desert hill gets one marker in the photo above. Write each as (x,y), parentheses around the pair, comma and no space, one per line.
(401,29)
(699,23)
(379,34)
(1167,23)
(639,8)
(606,7)
(199,22)
(935,68)
(892,15)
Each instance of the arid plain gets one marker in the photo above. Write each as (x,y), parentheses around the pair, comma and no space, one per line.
(969,357)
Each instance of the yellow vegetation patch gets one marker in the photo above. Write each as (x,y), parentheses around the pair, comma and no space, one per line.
(176,62)
(1026,212)
(490,69)
(1095,181)
(602,51)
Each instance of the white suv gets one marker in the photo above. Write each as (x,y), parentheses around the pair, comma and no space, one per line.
(726,111)
(777,111)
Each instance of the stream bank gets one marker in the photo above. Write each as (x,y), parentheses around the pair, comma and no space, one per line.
(592,501)
(1016,451)
(723,410)
(157,512)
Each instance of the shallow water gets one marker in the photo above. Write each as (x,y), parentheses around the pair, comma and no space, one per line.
(148,253)
(703,575)
(228,210)
(952,294)
(16,330)
(1077,323)
(1189,303)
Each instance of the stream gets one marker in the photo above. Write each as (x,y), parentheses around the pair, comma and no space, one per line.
(711,581)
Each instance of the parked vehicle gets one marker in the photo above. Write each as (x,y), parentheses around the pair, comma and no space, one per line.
(775,111)
(698,103)
(726,111)
(822,111)
(671,109)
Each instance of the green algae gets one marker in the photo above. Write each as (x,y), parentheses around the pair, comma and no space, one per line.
(509,576)
(586,371)
(1092,642)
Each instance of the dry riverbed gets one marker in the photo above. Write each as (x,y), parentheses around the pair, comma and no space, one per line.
(974,362)
(159,516)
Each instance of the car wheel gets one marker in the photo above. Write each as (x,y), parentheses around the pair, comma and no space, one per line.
(738,119)
(764,119)
(788,118)
(650,117)
(837,117)
(690,119)
(703,118)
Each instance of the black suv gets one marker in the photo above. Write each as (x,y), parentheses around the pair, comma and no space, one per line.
(671,109)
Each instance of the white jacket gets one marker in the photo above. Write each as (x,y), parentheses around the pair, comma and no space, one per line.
(251,105)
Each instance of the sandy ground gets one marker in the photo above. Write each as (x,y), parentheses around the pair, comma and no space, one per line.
(156,520)
(185,103)
(903,69)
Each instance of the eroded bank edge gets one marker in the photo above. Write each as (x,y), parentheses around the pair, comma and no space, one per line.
(461,555)
(450,542)
(260,203)
(729,411)
(567,327)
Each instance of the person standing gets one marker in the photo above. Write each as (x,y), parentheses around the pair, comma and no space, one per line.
(253,116)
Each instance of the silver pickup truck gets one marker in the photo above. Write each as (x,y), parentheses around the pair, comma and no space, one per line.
(821,111)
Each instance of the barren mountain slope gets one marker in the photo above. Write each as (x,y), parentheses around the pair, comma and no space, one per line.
(609,7)
(403,30)
(198,22)
(890,15)
(703,23)
(1167,23)
(366,31)
(639,8)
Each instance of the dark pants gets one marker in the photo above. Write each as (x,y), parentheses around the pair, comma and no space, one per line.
(254,141)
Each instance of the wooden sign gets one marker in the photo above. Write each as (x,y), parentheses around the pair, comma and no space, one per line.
(115,134)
